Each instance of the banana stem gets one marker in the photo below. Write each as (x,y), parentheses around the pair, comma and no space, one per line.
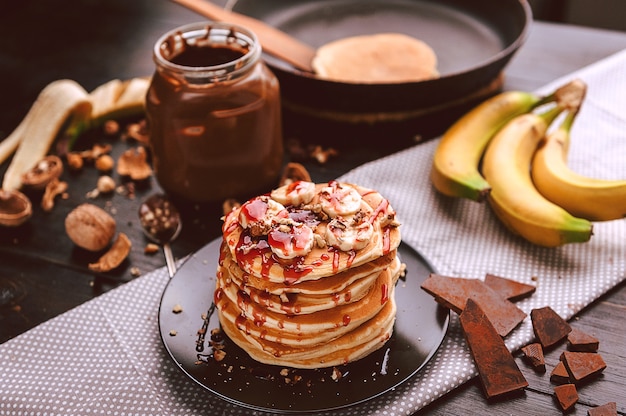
(550,115)
(566,125)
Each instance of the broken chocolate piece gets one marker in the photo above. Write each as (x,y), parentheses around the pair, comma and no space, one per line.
(559,374)
(496,366)
(534,355)
(509,289)
(608,409)
(580,341)
(582,365)
(548,326)
(453,293)
(566,395)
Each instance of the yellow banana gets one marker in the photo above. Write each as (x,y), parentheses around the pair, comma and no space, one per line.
(585,197)
(513,196)
(455,165)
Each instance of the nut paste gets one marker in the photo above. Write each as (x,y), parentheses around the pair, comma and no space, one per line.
(214,114)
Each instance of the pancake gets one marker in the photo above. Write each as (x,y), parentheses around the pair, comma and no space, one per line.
(306,274)
(255,256)
(380,58)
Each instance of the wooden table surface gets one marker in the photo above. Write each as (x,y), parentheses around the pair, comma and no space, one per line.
(43,275)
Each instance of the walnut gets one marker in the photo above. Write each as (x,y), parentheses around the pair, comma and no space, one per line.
(90,227)
(114,256)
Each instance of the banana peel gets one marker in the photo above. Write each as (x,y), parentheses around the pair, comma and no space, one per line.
(64,106)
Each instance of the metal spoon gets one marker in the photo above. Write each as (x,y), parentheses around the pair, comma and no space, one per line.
(161,223)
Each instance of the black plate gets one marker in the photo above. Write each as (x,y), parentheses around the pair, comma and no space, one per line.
(420,328)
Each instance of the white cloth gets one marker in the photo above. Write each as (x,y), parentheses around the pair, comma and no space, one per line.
(106,357)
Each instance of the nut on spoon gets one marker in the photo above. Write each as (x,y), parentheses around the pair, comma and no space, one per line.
(161,223)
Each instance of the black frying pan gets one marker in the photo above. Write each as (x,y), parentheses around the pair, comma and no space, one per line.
(473,39)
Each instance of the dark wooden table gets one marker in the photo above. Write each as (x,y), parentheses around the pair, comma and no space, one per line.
(42,274)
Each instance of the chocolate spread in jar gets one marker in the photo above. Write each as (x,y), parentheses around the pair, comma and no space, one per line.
(214,116)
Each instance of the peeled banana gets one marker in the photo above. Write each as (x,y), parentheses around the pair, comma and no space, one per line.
(65,105)
(514,198)
(57,102)
(455,169)
(590,198)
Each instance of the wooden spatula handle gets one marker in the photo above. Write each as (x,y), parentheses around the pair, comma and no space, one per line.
(274,42)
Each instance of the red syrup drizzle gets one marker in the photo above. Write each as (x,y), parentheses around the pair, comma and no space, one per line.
(248,250)
(346,320)
(384,297)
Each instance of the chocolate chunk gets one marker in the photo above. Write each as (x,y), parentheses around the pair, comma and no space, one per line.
(580,341)
(566,395)
(509,289)
(453,293)
(582,365)
(496,366)
(608,409)
(559,374)
(548,326)
(534,355)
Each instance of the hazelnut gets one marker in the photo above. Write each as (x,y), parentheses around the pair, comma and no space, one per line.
(106,184)
(90,227)
(105,163)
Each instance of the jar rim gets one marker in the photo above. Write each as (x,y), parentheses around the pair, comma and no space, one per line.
(207,30)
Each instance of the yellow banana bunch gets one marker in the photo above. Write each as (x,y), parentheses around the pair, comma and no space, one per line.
(590,198)
(514,198)
(457,157)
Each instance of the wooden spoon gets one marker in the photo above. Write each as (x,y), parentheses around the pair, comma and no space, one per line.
(274,42)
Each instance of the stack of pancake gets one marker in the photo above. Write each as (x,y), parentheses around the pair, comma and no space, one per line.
(307,273)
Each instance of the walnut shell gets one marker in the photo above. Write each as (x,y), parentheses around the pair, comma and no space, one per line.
(44,172)
(90,227)
(15,208)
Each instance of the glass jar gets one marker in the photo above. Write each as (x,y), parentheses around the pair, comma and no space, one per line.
(213,110)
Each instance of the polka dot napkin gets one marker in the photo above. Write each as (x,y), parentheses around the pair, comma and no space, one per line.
(105,357)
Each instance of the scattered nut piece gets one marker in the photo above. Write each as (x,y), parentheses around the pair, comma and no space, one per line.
(54,188)
(96,151)
(105,163)
(133,163)
(293,172)
(173,332)
(177,308)
(322,155)
(75,161)
(139,132)
(336,375)
(135,272)
(105,184)
(229,205)
(115,256)
(151,248)
(111,127)
(219,355)
(90,227)
(40,175)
